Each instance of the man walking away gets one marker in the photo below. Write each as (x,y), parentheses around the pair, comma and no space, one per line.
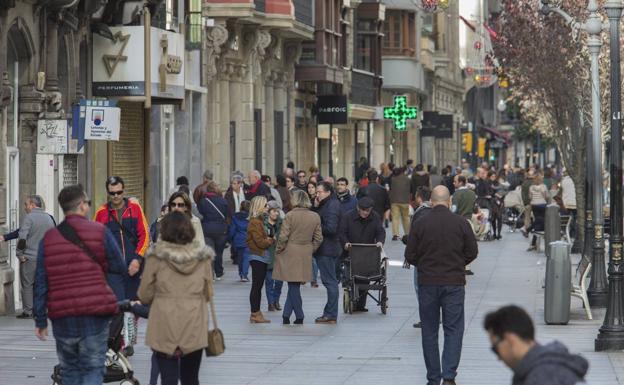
(36,223)
(362,226)
(72,290)
(420,178)
(399,202)
(440,246)
(378,194)
(328,209)
(512,336)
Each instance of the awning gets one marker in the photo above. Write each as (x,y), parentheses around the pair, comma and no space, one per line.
(505,137)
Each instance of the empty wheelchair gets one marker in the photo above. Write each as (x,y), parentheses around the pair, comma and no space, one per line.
(364,269)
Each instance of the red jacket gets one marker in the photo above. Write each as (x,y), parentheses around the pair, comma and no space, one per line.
(76,287)
(131,231)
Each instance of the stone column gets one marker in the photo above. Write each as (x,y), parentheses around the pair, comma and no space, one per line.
(270,106)
(52,53)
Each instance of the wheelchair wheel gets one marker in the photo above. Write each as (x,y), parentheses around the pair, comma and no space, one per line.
(346,302)
(384,300)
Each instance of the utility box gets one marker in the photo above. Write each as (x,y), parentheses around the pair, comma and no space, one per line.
(558,284)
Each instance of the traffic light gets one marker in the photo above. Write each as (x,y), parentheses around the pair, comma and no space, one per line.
(467,141)
(481,148)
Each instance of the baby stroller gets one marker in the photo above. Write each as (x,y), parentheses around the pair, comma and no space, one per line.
(481,224)
(365,268)
(118,368)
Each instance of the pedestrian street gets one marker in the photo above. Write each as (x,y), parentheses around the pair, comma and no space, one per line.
(367,348)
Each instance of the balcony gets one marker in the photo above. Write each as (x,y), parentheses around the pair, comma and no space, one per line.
(402,74)
(364,88)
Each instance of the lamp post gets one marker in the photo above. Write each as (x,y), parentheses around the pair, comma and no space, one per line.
(597,291)
(611,335)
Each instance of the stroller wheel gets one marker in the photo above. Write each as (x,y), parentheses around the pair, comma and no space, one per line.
(129,382)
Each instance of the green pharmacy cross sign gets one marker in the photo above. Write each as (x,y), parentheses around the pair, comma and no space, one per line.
(400,112)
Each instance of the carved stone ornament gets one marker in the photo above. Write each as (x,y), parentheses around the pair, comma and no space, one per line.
(258,42)
(215,39)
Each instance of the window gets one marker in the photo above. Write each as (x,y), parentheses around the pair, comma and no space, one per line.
(400,33)
(194,24)
(171,12)
(364,45)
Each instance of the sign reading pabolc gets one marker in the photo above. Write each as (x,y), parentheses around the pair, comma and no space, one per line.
(332,109)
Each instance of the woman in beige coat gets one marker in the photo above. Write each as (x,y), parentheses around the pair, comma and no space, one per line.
(299,237)
(177,283)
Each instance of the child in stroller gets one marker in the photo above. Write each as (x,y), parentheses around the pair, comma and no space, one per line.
(118,368)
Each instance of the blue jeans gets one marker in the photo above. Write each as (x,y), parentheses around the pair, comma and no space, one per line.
(451,300)
(293,301)
(273,288)
(217,242)
(327,267)
(82,358)
(242,254)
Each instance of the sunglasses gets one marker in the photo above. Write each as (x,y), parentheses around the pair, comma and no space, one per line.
(113,193)
(178,205)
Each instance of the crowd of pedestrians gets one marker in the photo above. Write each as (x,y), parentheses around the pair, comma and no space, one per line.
(292,231)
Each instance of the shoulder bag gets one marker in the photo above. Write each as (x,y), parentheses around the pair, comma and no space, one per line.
(216,343)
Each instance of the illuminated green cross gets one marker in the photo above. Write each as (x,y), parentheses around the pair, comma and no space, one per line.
(400,112)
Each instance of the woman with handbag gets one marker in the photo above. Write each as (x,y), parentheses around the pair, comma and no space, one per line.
(258,243)
(215,219)
(177,284)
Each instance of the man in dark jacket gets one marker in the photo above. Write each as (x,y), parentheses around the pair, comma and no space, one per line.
(512,336)
(328,209)
(257,187)
(78,300)
(420,178)
(362,226)
(441,245)
(347,201)
(377,193)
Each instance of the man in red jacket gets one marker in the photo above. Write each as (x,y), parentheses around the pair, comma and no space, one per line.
(73,288)
(125,219)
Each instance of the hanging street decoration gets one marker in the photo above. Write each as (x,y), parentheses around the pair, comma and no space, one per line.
(434,5)
(400,112)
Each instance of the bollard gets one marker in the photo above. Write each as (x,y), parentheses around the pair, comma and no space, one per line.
(7,276)
(558,284)
(552,226)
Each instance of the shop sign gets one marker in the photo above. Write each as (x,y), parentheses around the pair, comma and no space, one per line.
(332,109)
(437,125)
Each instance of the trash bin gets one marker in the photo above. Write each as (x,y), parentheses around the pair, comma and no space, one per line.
(558,284)
(552,226)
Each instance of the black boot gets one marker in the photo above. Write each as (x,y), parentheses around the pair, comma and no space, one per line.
(285,321)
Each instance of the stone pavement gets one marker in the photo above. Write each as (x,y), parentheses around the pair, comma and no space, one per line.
(362,348)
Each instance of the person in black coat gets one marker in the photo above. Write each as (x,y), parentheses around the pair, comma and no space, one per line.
(377,193)
(328,208)
(362,225)
(441,245)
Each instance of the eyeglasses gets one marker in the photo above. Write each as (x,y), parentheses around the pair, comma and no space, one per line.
(178,205)
(113,193)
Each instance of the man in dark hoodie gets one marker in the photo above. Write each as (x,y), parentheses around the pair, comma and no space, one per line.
(512,336)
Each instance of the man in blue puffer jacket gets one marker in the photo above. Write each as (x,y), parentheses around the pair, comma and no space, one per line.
(328,208)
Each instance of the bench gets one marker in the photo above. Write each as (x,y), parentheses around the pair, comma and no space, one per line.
(580,290)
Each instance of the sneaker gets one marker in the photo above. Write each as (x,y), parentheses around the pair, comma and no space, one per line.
(417,325)
(395,237)
(24,315)
(218,278)
(325,320)
(314,284)
(244,279)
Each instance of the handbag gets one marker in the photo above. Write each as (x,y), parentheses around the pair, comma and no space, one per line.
(216,343)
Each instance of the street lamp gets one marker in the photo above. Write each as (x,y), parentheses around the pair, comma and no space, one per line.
(597,291)
(611,336)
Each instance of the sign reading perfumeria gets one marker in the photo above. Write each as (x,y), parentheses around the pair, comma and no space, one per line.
(119,65)
(332,109)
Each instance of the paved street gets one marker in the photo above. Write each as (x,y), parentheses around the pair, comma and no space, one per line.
(362,348)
